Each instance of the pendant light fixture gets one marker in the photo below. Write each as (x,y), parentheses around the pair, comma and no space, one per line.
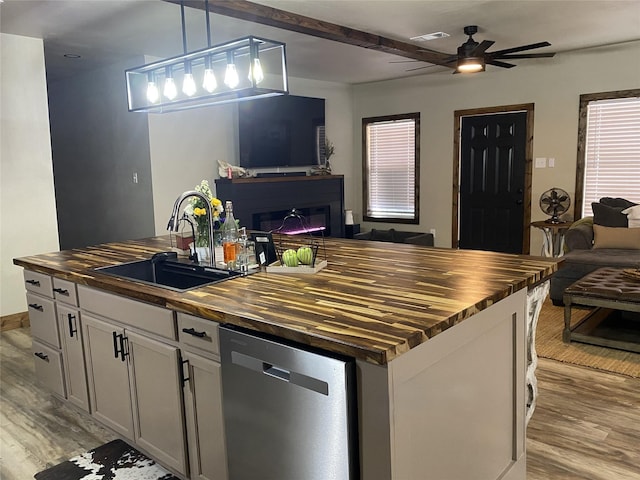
(253,67)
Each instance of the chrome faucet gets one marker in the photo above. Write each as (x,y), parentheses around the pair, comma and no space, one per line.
(174,220)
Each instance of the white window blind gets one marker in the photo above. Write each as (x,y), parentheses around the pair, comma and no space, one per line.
(612,151)
(391,169)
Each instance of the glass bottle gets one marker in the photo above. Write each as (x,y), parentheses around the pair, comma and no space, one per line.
(229,232)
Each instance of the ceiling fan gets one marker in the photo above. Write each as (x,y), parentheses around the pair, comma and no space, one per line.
(472,56)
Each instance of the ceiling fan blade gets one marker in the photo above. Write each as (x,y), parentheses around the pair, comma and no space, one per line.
(497,63)
(481,48)
(521,48)
(420,68)
(522,55)
(405,61)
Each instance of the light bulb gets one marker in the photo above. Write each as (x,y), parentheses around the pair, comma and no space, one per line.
(255,71)
(188,85)
(209,82)
(152,92)
(170,90)
(231,79)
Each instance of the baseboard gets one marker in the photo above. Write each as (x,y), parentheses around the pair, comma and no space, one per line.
(15,320)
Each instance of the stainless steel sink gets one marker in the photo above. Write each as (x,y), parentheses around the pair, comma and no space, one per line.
(164,270)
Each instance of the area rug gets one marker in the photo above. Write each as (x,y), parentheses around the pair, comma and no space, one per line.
(111,461)
(549,344)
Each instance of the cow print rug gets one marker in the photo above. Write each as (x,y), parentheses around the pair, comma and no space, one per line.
(112,461)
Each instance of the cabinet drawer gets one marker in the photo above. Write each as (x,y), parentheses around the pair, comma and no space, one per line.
(42,316)
(198,332)
(48,366)
(38,282)
(147,317)
(65,291)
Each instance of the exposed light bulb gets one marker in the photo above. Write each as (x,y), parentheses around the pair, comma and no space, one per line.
(188,85)
(209,82)
(231,79)
(170,90)
(152,92)
(255,71)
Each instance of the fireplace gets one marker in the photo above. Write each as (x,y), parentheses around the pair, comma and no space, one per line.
(262,203)
(316,221)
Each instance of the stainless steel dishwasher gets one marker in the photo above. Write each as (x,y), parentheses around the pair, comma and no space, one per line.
(289,411)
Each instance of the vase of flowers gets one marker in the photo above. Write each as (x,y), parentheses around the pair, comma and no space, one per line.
(198,212)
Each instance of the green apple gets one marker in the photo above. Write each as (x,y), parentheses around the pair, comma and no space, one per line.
(290,258)
(305,255)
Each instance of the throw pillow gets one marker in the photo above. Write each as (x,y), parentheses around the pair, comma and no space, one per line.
(608,216)
(617,202)
(612,237)
(633,216)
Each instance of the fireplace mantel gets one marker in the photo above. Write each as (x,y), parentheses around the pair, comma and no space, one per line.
(252,196)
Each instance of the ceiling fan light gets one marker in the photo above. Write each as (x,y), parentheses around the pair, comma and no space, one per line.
(470,65)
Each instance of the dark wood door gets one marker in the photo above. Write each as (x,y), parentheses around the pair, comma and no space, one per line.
(492,182)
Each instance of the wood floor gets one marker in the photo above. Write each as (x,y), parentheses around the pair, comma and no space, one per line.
(586,425)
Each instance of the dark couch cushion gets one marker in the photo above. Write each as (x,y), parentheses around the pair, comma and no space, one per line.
(617,202)
(608,216)
(384,235)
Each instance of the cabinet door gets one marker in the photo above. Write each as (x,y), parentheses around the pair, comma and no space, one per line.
(73,356)
(108,376)
(203,405)
(157,395)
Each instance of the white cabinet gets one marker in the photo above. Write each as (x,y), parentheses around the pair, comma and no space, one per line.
(134,380)
(203,397)
(70,333)
(48,361)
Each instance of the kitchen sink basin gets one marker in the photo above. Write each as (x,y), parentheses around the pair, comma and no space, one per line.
(164,270)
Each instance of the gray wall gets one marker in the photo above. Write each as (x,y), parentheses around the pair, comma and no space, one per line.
(97,146)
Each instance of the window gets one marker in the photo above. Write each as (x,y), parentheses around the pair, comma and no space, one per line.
(609,148)
(391,158)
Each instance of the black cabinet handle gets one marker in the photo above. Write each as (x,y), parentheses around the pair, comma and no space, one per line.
(61,291)
(195,333)
(35,283)
(185,379)
(35,306)
(116,352)
(42,356)
(72,330)
(124,347)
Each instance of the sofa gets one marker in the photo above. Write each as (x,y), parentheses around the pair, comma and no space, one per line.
(396,236)
(610,238)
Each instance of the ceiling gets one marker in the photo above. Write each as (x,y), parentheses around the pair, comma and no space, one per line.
(106,31)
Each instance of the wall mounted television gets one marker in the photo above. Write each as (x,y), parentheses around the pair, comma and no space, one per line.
(281,131)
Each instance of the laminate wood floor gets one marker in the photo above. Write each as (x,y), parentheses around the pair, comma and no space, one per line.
(586,425)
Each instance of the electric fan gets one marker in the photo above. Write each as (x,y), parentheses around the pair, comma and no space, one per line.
(554,202)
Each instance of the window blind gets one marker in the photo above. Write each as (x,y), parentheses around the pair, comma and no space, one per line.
(391,169)
(612,151)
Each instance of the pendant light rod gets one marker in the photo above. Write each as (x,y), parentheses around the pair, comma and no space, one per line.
(206,9)
(184,28)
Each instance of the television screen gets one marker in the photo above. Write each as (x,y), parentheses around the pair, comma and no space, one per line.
(282,131)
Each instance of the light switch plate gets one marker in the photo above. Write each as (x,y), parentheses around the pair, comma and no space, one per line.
(552,162)
(541,162)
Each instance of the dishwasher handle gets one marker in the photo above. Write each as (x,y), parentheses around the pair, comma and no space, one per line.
(276,372)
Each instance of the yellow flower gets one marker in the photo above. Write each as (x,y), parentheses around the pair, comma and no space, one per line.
(199,211)
(215,202)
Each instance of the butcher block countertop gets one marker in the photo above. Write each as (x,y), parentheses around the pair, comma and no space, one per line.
(374,300)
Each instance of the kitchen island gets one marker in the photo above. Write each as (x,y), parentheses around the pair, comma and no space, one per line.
(439,337)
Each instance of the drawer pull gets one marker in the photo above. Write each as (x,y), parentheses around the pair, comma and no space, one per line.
(42,356)
(71,317)
(192,331)
(35,306)
(61,291)
(185,379)
(121,340)
(35,283)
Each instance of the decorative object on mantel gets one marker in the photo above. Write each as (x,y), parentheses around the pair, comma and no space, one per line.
(260,62)
(112,460)
(296,246)
(196,209)
(226,170)
(328,152)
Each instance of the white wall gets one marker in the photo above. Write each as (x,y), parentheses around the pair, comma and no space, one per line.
(185,146)
(553,85)
(27,202)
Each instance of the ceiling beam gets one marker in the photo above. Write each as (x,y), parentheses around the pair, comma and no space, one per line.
(273,17)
